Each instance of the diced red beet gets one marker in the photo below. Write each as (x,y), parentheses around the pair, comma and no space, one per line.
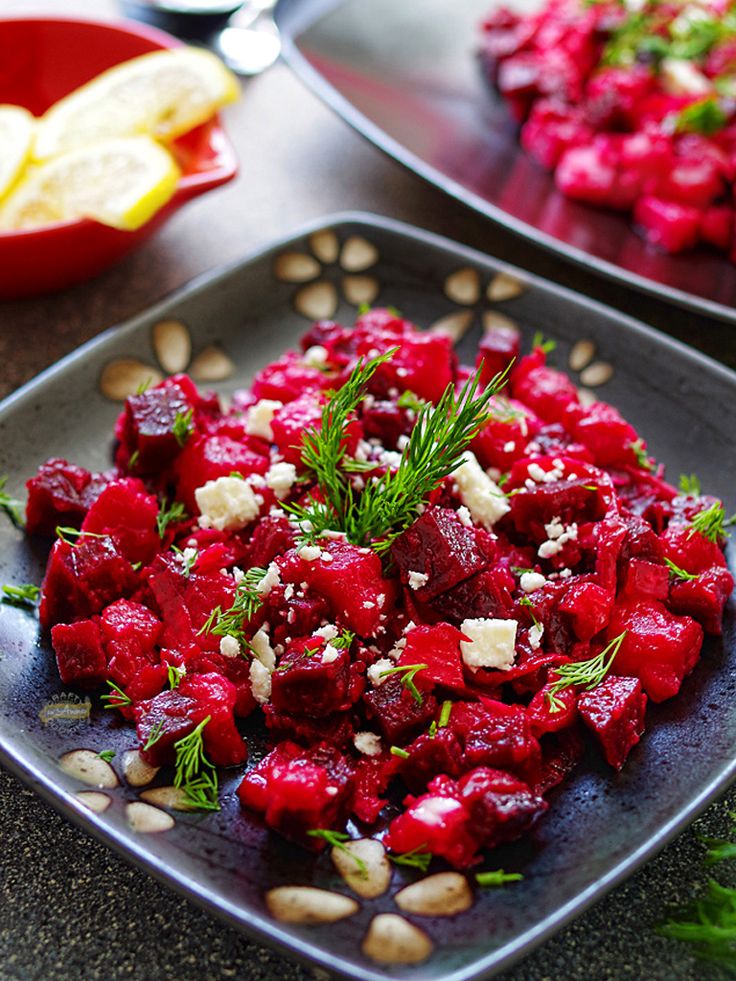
(83,578)
(126,513)
(504,438)
(501,807)
(588,606)
(372,777)
(290,423)
(307,685)
(288,378)
(717,225)
(387,421)
(497,350)
(215,697)
(438,545)
(429,756)
(206,458)
(147,427)
(614,711)
(130,632)
(484,595)
(546,715)
(271,537)
(704,598)
(438,822)
(546,391)
(162,721)
(659,648)
(298,790)
(551,129)
(607,434)
(561,753)
(60,494)
(308,730)
(672,226)
(503,739)
(439,648)
(423,363)
(646,579)
(397,714)
(80,655)
(690,550)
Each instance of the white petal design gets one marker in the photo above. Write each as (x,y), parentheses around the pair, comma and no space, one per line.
(443,894)
(125,376)
(370,875)
(360,289)
(596,374)
(94,800)
(146,819)
(135,769)
(463,286)
(212,365)
(172,798)
(587,398)
(87,767)
(504,286)
(581,354)
(393,940)
(454,325)
(296,267)
(325,245)
(172,343)
(493,320)
(317,301)
(358,254)
(305,904)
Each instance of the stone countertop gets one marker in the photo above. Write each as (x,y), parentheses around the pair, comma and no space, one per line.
(69,908)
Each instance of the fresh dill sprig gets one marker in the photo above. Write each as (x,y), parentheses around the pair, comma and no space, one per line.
(407,674)
(583,674)
(108,755)
(398,751)
(497,877)
(503,411)
(546,344)
(189,557)
(689,484)
(343,641)
(678,572)
(337,839)
(154,735)
(169,515)
(175,673)
(183,427)
(417,858)
(247,600)
(10,505)
(25,595)
(194,773)
(144,386)
(134,457)
(408,400)
(719,849)
(444,718)
(710,523)
(642,458)
(72,535)
(116,697)
(529,604)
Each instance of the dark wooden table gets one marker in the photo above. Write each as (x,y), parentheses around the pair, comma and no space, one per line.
(68,908)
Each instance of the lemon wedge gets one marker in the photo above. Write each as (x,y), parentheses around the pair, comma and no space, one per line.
(16,136)
(120,182)
(162,94)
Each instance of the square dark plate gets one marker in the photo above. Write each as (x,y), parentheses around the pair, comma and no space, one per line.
(601,826)
(406,75)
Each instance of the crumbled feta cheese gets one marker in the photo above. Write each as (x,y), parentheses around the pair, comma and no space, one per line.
(326,557)
(271,579)
(558,537)
(509,447)
(532,581)
(328,632)
(484,499)
(280,478)
(541,476)
(363,451)
(261,647)
(434,810)
(238,575)
(565,573)
(464,515)
(315,356)
(367,743)
(555,529)
(229,646)
(390,459)
(368,604)
(259,416)
(330,654)
(679,76)
(310,552)
(331,791)
(418,579)
(289,591)
(260,682)
(402,442)
(535,636)
(227,504)
(189,555)
(375,670)
(490,644)
(409,627)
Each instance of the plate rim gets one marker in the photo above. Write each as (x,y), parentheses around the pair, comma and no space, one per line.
(254,925)
(396,150)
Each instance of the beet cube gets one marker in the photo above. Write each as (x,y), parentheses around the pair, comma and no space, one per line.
(162,721)
(546,391)
(659,648)
(126,513)
(484,595)
(372,777)
(502,738)
(429,756)
(589,607)
(439,648)
(148,427)
(206,458)
(438,545)
(288,378)
(129,632)
(703,598)
(215,697)
(501,807)
(614,711)
(541,717)
(79,653)
(397,714)
(337,729)
(306,684)
(607,435)
(60,494)
(646,580)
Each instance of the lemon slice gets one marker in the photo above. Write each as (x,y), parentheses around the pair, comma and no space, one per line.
(117,182)
(16,137)
(162,94)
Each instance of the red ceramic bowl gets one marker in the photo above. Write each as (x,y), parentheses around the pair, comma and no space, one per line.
(42,60)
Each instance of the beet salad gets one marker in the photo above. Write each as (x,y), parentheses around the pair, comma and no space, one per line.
(433,583)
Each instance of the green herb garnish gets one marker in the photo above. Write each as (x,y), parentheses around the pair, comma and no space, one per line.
(247,600)
(407,672)
(710,523)
(704,116)
(116,697)
(188,561)
(154,735)
(583,674)
(194,774)
(547,345)
(175,674)
(25,595)
(689,484)
(337,839)
(10,505)
(637,447)
(398,751)
(108,755)
(679,573)
(169,515)
(72,535)
(408,400)
(183,427)
(417,858)
(497,877)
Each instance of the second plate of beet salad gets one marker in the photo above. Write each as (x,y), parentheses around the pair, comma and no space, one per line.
(435,582)
(633,106)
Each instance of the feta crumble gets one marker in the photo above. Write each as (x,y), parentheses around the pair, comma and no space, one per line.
(281,478)
(530,582)
(229,647)
(485,500)
(490,644)
(259,417)
(315,356)
(310,552)
(418,579)
(227,504)
(375,670)
(261,647)
(329,654)
(535,636)
(260,682)
(271,579)
(367,743)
